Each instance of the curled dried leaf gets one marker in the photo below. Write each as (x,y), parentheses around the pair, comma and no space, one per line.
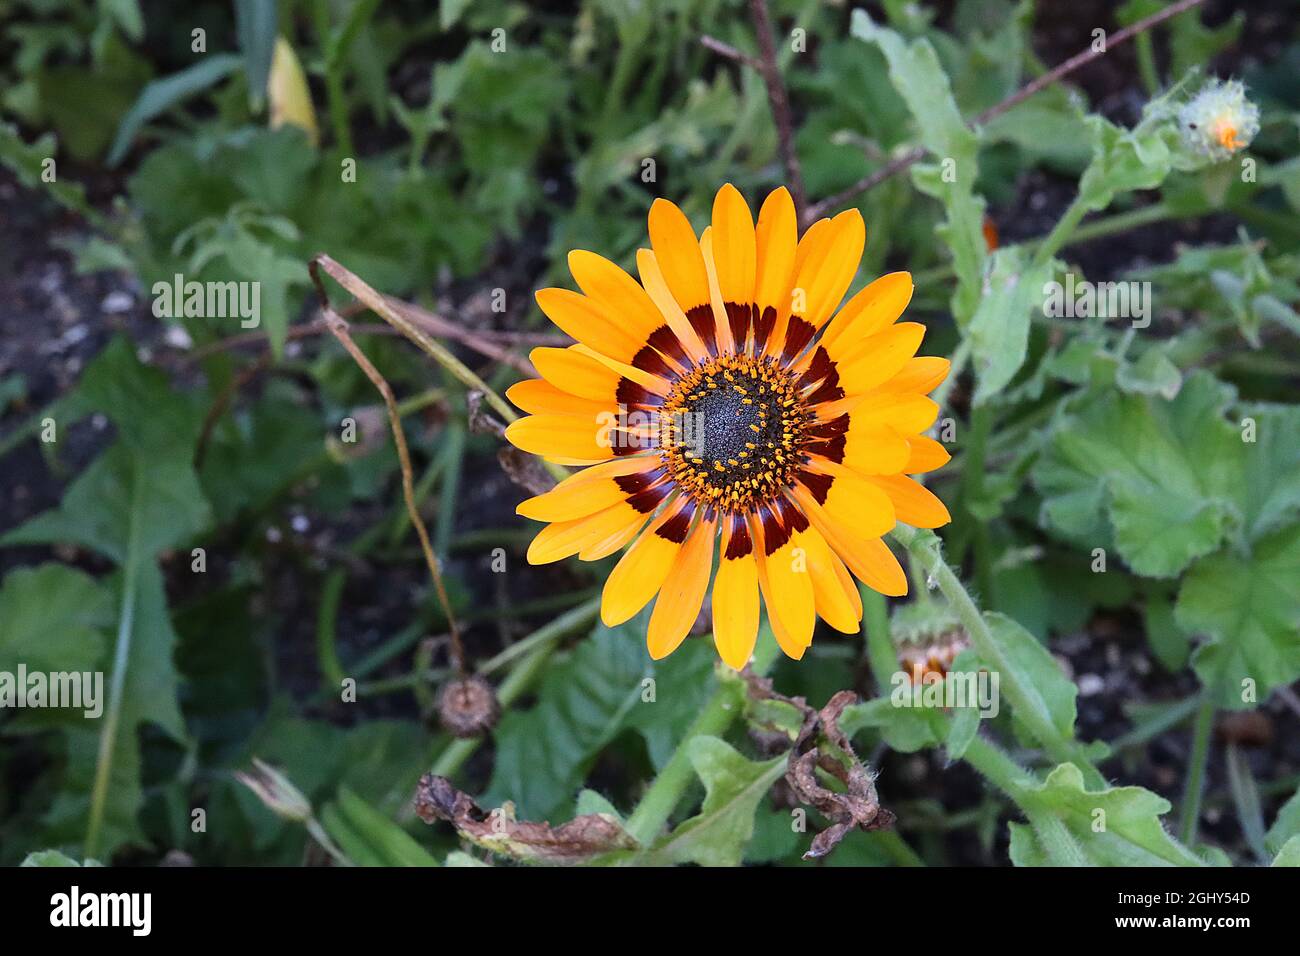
(525,470)
(497,830)
(820,744)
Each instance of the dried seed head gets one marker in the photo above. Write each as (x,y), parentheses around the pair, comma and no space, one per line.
(467,707)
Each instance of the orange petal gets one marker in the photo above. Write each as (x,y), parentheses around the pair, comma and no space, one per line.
(828,265)
(677,250)
(639,573)
(735,249)
(926,455)
(587,492)
(923,374)
(872,310)
(721,327)
(577,372)
(652,278)
(586,321)
(572,437)
(776,241)
(877,358)
(904,412)
(868,558)
(566,538)
(788,590)
(855,502)
(914,503)
(836,598)
(735,610)
(682,594)
(537,396)
(871,449)
(616,292)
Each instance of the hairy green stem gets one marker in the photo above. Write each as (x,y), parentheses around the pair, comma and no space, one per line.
(925,546)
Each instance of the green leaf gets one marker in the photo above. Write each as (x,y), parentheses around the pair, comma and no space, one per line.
(1169,642)
(1166,473)
(52,617)
(1249,610)
(1269,495)
(1152,374)
(999,331)
(917,75)
(27,161)
(137,499)
(1048,690)
(1117,826)
(1123,160)
(54,858)
(684,681)
(1289,855)
(149,696)
(368,837)
(460,858)
(733,786)
(905,729)
(161,95)
(256,24)
(1286,826)
(543,754)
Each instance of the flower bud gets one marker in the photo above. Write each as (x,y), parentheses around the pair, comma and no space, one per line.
(274,789)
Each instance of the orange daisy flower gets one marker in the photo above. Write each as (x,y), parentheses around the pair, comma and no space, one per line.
(730,416)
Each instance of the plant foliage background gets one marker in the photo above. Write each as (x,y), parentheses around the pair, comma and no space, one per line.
(476,170)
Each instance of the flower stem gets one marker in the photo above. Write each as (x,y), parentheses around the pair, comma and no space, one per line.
(121,660)
(1195,782)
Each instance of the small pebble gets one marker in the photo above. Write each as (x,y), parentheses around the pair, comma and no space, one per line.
(177,337)
(116,302)
(1090,685)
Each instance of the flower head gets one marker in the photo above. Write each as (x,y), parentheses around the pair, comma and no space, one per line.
(722,405)
(1219,120)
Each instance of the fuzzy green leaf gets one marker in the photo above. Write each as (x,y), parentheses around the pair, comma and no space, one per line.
(1117,826)
(733,786)
(1249,610)
(1166,473)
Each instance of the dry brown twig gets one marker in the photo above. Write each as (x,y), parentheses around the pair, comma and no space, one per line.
(905,160)
(780,104)
(338,327)
(490,343)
